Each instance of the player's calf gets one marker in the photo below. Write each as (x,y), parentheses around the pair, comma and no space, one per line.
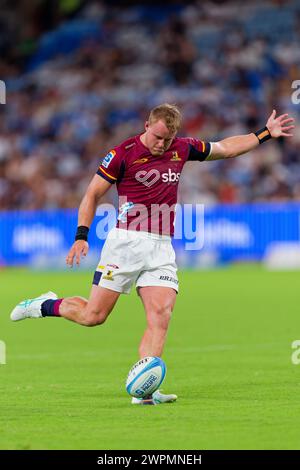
(80,311)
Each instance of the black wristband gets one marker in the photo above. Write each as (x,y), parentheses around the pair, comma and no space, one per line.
(82,233)
(263,135)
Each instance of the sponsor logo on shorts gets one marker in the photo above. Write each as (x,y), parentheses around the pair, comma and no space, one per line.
(108,158)
(113,266)
(169,278)
(109,276)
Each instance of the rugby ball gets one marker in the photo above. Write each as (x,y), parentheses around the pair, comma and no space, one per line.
(145,377)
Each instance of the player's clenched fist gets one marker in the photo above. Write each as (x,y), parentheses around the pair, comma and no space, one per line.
(78,249)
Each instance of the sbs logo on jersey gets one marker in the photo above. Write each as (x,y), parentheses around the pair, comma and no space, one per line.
(108,158)
(149,178)
(170,177)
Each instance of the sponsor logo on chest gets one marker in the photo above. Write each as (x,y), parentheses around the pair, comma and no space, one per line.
(150,177)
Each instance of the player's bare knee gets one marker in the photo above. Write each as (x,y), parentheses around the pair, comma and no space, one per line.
(160,317)
(165,311)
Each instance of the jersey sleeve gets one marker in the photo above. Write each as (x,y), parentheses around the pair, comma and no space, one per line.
(111,166)
(198,149)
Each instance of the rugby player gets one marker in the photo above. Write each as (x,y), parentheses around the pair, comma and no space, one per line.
(146,169)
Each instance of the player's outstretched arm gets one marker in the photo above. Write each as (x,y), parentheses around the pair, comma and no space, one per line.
(96,189)
(240,144)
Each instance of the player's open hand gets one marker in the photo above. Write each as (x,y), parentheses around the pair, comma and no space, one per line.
(78,249)
(280,126)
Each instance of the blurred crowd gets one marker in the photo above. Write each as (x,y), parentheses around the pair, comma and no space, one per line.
(225,64)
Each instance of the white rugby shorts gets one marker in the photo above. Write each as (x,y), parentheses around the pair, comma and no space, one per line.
(143,258)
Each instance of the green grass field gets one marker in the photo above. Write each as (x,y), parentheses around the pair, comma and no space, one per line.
(228,355)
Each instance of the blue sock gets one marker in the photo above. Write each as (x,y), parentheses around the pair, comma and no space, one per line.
(50,308)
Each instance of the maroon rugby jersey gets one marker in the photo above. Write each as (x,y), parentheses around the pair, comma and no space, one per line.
(147,185)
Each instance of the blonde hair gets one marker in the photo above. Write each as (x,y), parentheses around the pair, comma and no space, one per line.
(169,113)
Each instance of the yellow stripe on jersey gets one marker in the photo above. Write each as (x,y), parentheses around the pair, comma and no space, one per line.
(107,174)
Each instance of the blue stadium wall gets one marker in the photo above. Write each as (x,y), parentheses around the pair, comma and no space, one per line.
(232,233)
